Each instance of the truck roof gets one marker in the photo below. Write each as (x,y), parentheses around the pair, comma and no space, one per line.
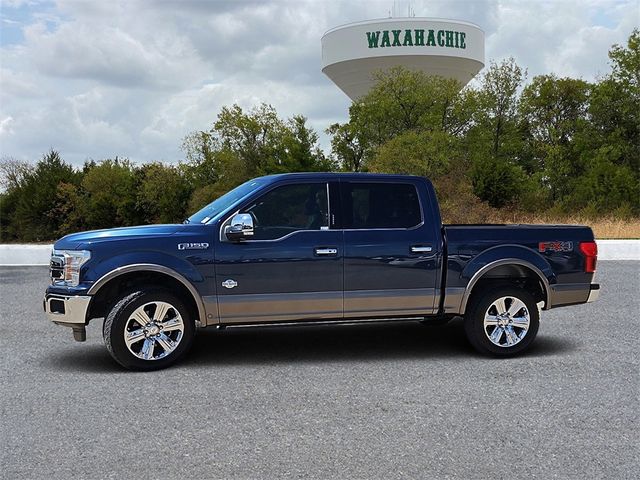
(344,175)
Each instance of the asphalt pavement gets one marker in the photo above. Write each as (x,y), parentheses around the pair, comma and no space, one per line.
(395,400)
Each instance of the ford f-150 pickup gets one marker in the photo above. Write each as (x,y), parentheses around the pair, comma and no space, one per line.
(316,247)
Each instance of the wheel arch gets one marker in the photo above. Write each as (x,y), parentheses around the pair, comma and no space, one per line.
(508,270)
(121,278)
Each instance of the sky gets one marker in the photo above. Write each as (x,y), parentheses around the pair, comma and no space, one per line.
(97,79)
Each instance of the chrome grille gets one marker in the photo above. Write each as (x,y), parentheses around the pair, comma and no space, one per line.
(56,268)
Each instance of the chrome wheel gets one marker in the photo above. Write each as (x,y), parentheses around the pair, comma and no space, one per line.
(506,321)
(153,330)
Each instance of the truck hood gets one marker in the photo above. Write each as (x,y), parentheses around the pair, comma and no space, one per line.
(85,239)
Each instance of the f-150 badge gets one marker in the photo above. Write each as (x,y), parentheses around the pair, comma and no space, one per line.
(229,283)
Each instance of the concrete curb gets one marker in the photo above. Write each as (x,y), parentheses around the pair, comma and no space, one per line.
(24,255)
(35,255)
(618,249)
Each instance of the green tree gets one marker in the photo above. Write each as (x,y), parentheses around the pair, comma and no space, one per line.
(13,175)
(69,207)
(497,181)
(406,100)
(498,107)
(347,147)
(553,112)
(610,141)
(426,153)
(405,107)
(200,168)
(254,137)
(34,217)
(242,145)
(163,194)
(494,143)
(296,150)
(109,194)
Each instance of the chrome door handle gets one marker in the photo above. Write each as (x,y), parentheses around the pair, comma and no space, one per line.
(416,249)
(326,251)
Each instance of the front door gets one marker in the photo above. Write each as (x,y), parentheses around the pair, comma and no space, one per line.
(292,268)
(391,250)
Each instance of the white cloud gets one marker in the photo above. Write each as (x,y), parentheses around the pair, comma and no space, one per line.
(5,126)
(17,85)
(132,77)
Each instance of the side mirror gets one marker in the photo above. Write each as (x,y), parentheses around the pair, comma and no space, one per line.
(241,227)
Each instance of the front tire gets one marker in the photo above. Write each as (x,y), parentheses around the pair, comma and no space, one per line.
(148,329)
(502,321)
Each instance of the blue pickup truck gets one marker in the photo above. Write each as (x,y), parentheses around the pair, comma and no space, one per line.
(316,247)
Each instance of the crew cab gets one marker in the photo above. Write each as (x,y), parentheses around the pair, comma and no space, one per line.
(316,247)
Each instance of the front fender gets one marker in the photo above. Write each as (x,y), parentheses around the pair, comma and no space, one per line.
(175,268)
(105,268)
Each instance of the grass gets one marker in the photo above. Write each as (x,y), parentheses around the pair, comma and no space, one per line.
(603,228)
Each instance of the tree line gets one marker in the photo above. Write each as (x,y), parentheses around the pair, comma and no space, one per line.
(559,145)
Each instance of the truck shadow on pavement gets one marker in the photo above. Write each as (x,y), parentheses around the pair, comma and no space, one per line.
(344,343)
(315,344)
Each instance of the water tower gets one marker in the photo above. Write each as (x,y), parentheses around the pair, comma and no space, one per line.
(352,53)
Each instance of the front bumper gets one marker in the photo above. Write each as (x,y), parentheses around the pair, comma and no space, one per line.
(69,310)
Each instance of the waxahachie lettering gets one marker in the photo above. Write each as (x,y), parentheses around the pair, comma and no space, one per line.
(417,38)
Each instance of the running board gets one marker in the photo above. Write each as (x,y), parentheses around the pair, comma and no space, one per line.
(286,323)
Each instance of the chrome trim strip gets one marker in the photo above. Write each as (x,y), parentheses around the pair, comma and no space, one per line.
(152,267)
(75,308)
(339,321)
(421,249)
(288,235)
(498,263)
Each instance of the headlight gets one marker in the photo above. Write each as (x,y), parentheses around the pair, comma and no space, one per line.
(65,266)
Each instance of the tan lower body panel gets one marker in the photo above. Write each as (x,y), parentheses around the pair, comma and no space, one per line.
(377,303)
(279,307)
(569,294)
(453,300)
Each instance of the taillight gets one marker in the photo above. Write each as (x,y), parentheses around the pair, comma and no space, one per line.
(590,252)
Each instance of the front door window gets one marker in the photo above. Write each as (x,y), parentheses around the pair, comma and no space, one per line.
(288,209)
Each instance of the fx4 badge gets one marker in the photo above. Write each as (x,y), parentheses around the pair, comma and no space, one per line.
(193,246)
(555,247)
(229,283)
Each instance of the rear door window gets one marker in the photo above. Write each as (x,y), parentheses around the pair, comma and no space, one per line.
(380,205)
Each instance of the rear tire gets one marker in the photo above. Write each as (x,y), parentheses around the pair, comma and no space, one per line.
(148,329)
(502,321)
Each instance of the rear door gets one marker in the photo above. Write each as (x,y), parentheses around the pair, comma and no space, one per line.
(292,268)
(391,249)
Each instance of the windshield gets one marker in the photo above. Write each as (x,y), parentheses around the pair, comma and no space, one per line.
(222,203)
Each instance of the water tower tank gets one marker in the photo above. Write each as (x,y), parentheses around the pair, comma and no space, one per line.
(352,53)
